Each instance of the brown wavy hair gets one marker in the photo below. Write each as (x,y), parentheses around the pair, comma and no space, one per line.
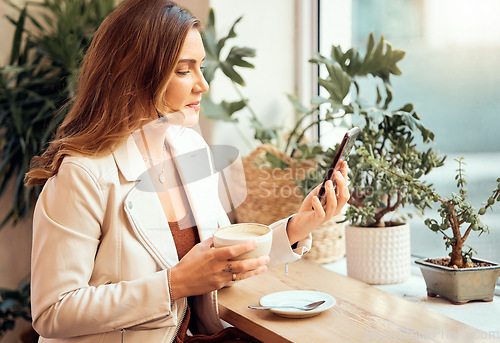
(122,83)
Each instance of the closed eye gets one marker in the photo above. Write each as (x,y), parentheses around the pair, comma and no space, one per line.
(183,73)
(188,61)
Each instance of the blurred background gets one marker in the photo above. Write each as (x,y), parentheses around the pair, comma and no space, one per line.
(451,74)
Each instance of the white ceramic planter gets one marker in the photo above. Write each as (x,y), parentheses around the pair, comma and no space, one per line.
(378,255)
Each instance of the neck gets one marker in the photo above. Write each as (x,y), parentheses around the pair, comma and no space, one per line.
(150,139)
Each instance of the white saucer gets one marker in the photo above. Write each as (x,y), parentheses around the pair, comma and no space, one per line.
(297,298)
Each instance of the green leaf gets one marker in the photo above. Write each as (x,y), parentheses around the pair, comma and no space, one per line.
(210,27)
(211,67)
(231,34)
(222,111)
(338,82)
(275,161)
(370,43)
(16,43)
(262,133)
(229,71)
(379,97)
(318,100)
(232,107)
(237,55)
(388,98)
(296,103)
(381,61)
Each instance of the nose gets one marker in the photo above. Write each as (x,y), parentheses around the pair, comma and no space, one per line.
(201,85)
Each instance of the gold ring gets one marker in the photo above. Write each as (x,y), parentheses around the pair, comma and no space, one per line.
(234,276)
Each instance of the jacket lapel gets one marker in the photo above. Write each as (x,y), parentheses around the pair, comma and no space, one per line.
(143,208)
(200,179)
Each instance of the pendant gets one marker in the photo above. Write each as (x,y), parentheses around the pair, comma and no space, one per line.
(162,178)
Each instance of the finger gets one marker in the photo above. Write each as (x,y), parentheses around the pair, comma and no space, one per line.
(344,169)
(331,203)
(319,212)
(246,265)
(250,273)
(226,253)
(343,191)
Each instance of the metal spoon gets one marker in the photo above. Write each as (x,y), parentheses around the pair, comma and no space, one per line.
(307,307)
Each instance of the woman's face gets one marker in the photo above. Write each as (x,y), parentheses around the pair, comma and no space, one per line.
(187,83)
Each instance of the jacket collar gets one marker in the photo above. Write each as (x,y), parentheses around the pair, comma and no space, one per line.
(129,160)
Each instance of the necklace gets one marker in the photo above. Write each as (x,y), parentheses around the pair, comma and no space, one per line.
(161,177)
(150,162)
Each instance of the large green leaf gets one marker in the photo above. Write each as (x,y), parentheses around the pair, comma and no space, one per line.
(228,69)
(381,60)
(222,111)
(237,56)
(338,82)
(16,43)
(231,34)
(263,133)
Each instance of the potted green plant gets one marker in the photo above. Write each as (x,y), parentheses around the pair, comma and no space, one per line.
(459,277)
(36,84)
(378,237)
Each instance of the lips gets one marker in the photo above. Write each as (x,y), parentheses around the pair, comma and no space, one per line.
(194,105)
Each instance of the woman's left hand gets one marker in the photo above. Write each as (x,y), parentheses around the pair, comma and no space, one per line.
(312,214)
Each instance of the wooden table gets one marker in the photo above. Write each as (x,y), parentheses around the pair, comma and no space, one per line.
(362,313)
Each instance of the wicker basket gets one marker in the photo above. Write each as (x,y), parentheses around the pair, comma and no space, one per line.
(328,244)
(272,194)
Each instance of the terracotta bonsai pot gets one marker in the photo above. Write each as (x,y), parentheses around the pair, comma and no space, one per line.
(460,285)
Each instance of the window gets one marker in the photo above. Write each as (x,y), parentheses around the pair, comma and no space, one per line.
(451,74)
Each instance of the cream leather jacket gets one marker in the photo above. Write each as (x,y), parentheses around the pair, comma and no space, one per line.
(101,245)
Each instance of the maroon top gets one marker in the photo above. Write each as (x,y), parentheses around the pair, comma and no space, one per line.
(185,234)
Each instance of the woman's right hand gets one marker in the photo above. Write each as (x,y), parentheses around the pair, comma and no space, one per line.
(204,269)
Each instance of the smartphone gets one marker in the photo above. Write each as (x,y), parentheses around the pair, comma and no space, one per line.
(341,155)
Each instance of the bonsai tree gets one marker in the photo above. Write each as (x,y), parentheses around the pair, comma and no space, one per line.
(389,135)
(458,217)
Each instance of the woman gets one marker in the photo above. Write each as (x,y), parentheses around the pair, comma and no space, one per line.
(120,242)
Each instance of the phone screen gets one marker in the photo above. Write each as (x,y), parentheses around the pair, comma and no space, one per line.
(342,155)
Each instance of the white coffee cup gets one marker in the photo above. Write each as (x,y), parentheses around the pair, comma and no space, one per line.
(243,232)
